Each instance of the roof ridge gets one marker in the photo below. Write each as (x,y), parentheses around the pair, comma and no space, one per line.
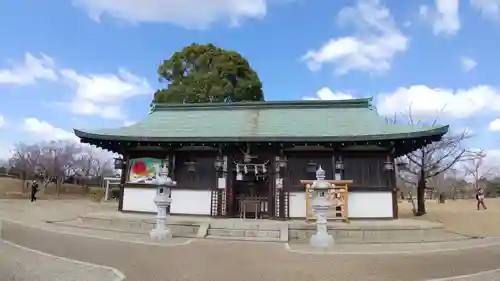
(291,104)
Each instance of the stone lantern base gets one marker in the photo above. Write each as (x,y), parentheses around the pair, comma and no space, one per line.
(321,240)
(160,234)
(161,231)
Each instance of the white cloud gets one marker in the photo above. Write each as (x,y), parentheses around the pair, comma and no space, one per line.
(326,94)
(185,13)
(45,131)
(371,49)
(102,94)
(129,123)
(430,102)
(88,108)
(5,148)
(39,131)
(95,94)
(445,18)
(489,8)
(494,125)
(468,63)
(29,71)
(5,151)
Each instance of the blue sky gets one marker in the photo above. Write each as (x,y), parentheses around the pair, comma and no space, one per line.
(92,63)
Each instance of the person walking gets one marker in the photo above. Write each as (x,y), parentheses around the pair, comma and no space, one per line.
(480,198)
(34,189)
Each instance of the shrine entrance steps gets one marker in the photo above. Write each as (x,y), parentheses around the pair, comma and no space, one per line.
(296,231)
(248,230)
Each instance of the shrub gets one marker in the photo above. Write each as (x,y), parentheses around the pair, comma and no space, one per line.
(96,194)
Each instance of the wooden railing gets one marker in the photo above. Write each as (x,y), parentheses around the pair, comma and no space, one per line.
(253,205)
(341,190)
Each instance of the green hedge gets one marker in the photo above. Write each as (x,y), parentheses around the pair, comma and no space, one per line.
(96,193)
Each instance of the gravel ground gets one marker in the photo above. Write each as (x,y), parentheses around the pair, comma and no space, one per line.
(397,248)
(229,261)
(493,275)
(206,260)
(17,264)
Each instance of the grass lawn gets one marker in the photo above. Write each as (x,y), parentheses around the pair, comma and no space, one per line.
(13,188)
(461,216)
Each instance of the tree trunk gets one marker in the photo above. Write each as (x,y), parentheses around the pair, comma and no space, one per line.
(23,187)
(421,194)
(58,188)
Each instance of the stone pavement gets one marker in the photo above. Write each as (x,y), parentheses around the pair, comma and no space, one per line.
(397,248)
(230,261)
(17,264)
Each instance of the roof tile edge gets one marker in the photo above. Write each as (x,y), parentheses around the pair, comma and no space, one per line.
(356,103)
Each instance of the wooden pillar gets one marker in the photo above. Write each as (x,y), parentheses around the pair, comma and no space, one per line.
(281,202)
(273,196)
(123,179)
(338,174)
(171,165)
(170,162)
(224,191)
(338,165)
(334,168)
(230,186)
(390,175)
(283,206)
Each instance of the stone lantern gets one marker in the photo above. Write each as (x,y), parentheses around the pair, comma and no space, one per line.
(162,201)
(321,205)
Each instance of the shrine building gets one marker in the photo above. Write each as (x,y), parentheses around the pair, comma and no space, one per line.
(223,154)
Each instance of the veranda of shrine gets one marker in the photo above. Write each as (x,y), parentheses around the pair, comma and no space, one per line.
(224,154)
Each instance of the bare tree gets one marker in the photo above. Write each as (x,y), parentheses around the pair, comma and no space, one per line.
(431,160)
(91,163)
(57,160)
(477,168)
(454,182)
(24,161)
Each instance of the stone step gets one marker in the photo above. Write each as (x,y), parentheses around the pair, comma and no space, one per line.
(381,236)
(235,238)
(178,230)
(230,232)
(247,224)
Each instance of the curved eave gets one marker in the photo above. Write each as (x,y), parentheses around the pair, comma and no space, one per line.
(437,132)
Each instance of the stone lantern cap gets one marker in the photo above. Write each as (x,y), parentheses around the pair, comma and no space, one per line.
(320,173)
(320,182)
(162,178)
(165,181)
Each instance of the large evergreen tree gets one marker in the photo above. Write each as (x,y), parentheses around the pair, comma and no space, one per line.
(205,73)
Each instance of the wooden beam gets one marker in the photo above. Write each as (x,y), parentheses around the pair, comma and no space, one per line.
(336,182)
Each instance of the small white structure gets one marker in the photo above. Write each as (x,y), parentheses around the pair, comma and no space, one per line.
(162,201)
(320,205)
(109,182)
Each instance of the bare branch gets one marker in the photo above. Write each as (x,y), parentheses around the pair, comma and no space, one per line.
(437,157)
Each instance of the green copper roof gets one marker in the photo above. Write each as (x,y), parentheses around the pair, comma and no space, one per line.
(346,120)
